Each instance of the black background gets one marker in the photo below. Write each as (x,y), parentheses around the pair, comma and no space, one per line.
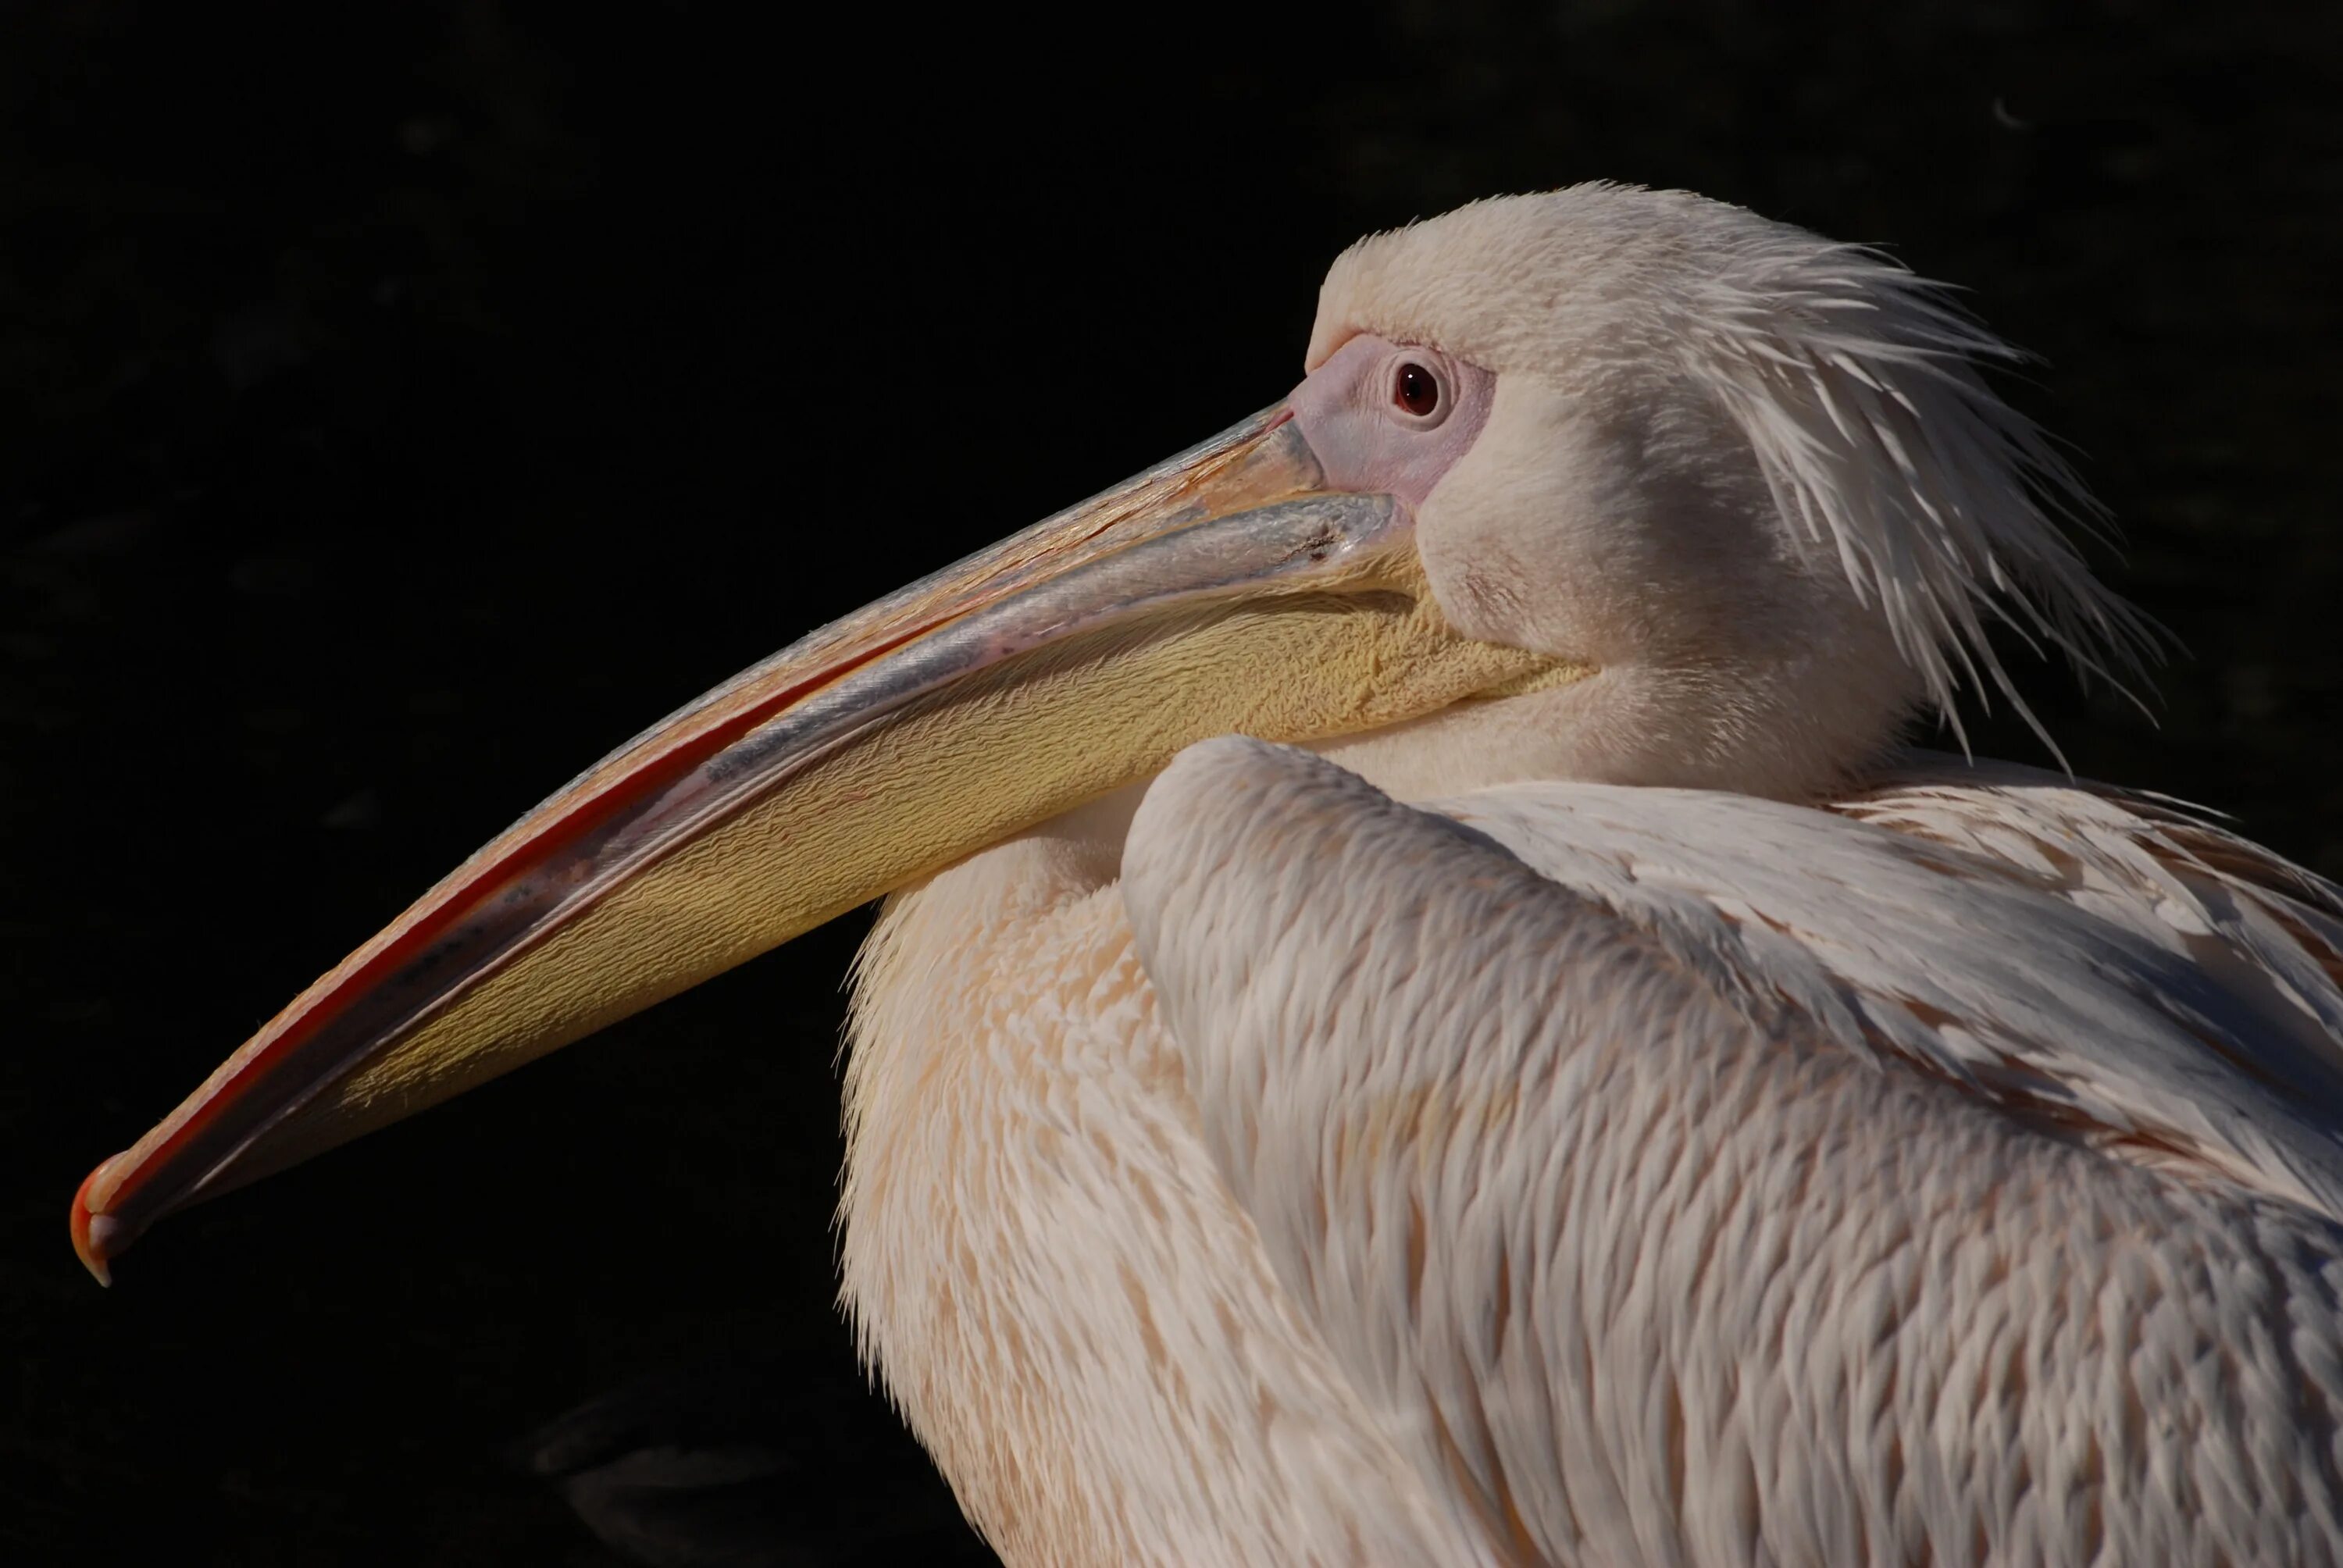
(404,403)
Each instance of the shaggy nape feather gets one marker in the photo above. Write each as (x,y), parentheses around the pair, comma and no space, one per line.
(1856,381)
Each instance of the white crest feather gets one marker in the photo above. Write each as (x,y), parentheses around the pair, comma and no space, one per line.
(1857,382)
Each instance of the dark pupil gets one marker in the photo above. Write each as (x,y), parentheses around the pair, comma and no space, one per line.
(1417,392)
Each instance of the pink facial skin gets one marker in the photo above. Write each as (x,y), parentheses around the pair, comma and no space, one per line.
(1353,410)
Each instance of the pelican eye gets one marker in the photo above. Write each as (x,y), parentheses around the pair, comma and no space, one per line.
(1415,389)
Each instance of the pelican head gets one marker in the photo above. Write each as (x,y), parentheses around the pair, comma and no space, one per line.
(1748,476)
(1602,483)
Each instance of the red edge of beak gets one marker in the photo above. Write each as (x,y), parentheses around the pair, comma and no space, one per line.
(101,1234)
(89,1244)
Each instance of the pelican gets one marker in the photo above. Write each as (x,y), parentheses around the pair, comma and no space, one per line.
(1423,1012)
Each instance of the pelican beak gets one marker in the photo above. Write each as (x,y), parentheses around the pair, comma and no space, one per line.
(1226,590)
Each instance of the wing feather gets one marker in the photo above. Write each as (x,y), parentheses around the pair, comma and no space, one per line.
(2156,987)
(1685,1178)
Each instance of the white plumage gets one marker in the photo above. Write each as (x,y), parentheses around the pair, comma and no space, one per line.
(1665,1176)
(1927,1163)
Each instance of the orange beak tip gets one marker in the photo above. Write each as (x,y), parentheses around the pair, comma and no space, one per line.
(97,1238)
